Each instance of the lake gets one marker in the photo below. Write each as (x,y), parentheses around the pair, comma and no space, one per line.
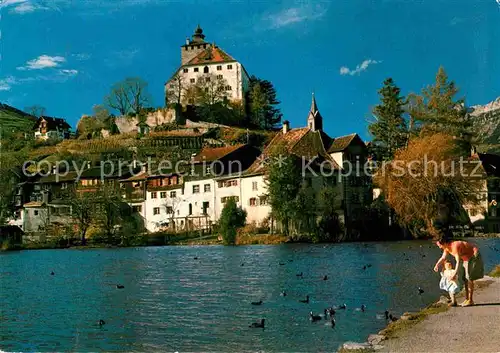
(173,302)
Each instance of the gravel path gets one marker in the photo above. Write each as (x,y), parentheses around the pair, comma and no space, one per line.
(470,329)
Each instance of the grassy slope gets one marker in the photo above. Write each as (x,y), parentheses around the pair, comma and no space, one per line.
(13,120)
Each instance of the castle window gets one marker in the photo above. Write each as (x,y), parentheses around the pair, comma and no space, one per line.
(253,201)
(170,210)
(192,47)
(137,209)
(163,195)
(204,46)
(195,69)
(228,88)
(185,70)
(219,67)
(156,210)
(263,200)
(229,67)
(154,195)
(219,77)
(173,194)
(207,79)
(254,185)
(205,70)
(196,189)
(206,188)
(192,80)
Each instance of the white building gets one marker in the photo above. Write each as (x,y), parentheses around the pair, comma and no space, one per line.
(209,66)
(51,128)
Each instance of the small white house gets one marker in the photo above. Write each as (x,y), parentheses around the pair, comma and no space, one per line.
(47,127)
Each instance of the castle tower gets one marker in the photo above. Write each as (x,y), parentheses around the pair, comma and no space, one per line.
(193,46)
(314,119)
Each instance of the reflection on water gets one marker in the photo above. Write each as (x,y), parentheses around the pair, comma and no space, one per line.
(172,302)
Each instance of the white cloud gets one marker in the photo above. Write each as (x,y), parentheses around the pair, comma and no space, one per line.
(293,15)
(344,70)
(7,83)
(71,72)
(22,7)
(43,62)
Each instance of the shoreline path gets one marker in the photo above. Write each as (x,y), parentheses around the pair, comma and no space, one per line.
(470,329)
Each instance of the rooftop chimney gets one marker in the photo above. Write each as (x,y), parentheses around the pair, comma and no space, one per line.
(286,126)
(187,41)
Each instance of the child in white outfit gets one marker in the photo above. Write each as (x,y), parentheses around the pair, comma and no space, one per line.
(450,282)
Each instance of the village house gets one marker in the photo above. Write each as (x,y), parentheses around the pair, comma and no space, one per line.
(47,127)
(486,215)
(205,63)
(195,198)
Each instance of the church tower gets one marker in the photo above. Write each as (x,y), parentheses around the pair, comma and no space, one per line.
(314,120)
(193,46)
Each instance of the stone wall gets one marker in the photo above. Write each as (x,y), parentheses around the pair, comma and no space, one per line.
(153,119)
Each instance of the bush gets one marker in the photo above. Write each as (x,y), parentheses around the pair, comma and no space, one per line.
(232,218)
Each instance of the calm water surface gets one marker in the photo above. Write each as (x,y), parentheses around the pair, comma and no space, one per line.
(172,302)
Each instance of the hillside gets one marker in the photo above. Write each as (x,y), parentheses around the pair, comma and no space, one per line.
(13,120)
(487,121)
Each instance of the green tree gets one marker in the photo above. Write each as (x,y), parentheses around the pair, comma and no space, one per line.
(437,110)
(284,180)
(262,104)
(305,211)
(232,218)
(129,96)
(389,130)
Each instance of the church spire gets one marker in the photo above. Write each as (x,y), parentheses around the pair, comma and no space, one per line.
(314,120)
(314,107)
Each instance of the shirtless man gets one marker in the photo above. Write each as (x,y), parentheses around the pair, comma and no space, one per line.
(467,254)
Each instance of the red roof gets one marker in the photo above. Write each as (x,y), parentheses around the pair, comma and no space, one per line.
(213,154)
(341,143)
(302,142)
(212,54)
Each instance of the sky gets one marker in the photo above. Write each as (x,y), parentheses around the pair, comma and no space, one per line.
(66,54)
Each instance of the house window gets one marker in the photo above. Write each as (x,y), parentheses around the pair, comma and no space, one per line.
(196,189)
(35,212)
(195,69)
(219,67)
(173,194)
(163,195)
(229,67)
(205,70)
(253,201)
(263,200)
(206,188)
(227,198)
(192,80)
(190,209)
(137,209)
(154,195)
(205,207)
(219,77)
(156,210)
(228,88)
(207,79)
(185,70)
(254,185)
(170,209)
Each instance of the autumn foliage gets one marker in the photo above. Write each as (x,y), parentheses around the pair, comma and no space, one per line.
(416,180)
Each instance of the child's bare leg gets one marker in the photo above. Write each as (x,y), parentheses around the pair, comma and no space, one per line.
(471,290)
(466,286)
(453,300)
